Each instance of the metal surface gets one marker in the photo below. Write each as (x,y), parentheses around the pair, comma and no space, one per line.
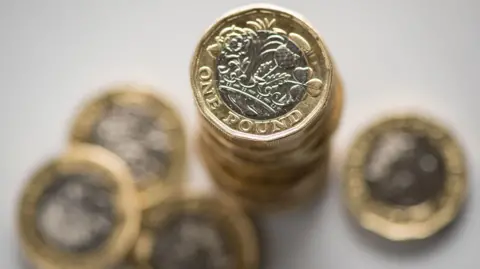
(404,168)
(197,230)
(261,74)
(75,214)
(141,127)
(85,208)
(405,177)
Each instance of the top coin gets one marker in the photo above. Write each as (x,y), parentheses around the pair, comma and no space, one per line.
(140,127)
(261,73)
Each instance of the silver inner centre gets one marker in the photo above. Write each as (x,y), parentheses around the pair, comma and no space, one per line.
(261,75)
(404,169)
(193,242)
(74,214)
(137,137)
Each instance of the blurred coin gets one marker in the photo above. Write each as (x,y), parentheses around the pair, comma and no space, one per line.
(197,231)
(140,127)
(79,211)
(405,178)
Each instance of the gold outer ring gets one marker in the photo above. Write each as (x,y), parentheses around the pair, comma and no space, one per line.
(203,73)
(127,207)
(166,113)
(413,222)
(241,231)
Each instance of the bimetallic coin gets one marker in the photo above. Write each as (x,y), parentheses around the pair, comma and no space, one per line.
(405,178)
(140,127)
(198,232)
(261,74)
(80,210)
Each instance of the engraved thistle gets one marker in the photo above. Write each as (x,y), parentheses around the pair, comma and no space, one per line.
(262,71)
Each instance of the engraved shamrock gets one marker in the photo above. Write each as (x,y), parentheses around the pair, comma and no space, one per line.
(303,81)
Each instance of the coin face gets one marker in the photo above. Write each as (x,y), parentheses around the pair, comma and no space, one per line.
(74,214)
(261,73)
(80,211)
(196,232)
(405,178)
(134,134)
(191,241)
(140,127)
(404,168)
(271,81)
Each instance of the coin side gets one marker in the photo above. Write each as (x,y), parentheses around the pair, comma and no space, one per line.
(196,232)
(140,127)
(261,74)
(305,190)
(405,178)
(80,210)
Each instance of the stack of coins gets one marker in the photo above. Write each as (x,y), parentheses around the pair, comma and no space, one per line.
(269,99)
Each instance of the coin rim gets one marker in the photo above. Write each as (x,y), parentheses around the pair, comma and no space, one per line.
(359,200)
(126,203)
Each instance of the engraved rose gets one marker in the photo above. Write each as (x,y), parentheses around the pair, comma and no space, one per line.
(236,44)
(230,38)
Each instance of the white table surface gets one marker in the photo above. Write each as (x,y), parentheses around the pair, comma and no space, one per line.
(420,54)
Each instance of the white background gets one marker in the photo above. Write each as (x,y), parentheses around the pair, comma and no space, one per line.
(421,54)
